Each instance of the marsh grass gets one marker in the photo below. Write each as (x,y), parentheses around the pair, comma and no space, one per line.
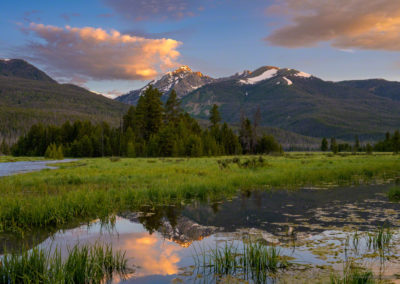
(84,264)
(353,274)
(380,239)
(253,261)
(394,193)
(96,188)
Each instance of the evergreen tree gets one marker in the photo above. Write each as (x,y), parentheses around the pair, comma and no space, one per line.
(334,146)
(215,117)
(172,109)
(129,119)
(267,145)
(324,144)
(246,135)
(4,148)
(368,148)
(356,147)
(396,141)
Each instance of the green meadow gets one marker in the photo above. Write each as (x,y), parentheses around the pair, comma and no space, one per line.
(98,188)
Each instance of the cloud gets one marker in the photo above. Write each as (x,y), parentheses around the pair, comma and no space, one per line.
(161,9)
(94,53)
(346,24)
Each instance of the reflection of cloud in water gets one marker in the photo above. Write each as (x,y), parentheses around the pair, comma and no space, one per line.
(153,255)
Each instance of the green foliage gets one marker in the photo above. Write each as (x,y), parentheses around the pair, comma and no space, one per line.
(54,152)
(391,143)
(324,145)
(149,130)
(84,264)
(394,193)
(4,148)
(215,117)
(334,146)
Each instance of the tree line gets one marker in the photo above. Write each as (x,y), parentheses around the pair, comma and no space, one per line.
(151,129)
(391,143)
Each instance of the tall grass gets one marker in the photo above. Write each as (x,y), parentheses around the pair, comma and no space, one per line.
(353,274)
(254,261)
(84,264)
(96,188)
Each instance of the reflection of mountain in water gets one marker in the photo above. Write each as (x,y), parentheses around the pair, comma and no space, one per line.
(181,230)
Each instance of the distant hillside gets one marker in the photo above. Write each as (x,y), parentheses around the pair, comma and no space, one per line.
(29,96)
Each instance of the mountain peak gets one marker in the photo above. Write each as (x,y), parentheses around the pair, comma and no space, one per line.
(183,68)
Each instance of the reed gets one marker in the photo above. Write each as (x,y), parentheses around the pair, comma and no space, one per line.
(83,264)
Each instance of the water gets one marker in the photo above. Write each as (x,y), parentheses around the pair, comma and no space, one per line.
(313,227)
(11,168)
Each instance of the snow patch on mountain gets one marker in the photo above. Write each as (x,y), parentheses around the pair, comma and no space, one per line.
(288,81)
(264,76)
(302,74)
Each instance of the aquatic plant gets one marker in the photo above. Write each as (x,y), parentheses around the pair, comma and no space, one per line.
(380,239)
(254,261)
(353,274)
(394,193)
(84,264)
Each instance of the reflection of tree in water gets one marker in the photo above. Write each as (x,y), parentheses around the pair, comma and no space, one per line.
(152,218)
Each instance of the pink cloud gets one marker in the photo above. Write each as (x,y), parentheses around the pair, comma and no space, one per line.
(346,24)
(99,54)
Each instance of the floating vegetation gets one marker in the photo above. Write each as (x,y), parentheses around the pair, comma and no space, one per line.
(394,193)
(253,261)
(84,264)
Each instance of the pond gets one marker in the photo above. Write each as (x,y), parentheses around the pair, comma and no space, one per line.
(316,229)
(11,168)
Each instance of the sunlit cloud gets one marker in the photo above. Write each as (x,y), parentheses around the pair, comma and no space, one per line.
(346,24)
(95,53)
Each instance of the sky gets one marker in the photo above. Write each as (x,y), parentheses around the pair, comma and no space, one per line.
(114,46)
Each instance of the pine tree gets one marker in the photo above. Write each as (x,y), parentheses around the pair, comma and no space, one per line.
(172,109)
(396,141)
(246,135)
(334,146)
(215,117)
(129,119)
(356,147)
(324,144)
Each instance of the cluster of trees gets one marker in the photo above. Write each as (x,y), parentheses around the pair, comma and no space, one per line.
(391,143)
(4,148)
(150,129)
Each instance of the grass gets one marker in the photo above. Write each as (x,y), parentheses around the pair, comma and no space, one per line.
(96,188)
(380,239)
(394,194)
(254,261)
(84,264)
(353,274)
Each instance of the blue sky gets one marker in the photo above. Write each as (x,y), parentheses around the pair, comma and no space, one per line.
(216,37)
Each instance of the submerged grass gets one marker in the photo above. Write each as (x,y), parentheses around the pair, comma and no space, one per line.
(84,264)
(253,261)
(97,188)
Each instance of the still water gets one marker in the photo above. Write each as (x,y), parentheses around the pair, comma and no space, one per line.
(312,227)
(11,168)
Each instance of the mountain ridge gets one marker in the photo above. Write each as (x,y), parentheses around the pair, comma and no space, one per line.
(299,102)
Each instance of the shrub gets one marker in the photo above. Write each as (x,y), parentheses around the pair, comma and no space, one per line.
(54,152)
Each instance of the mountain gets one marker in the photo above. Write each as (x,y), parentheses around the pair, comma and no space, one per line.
(22,69)
(29,96)
(302,103)
(183,80)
